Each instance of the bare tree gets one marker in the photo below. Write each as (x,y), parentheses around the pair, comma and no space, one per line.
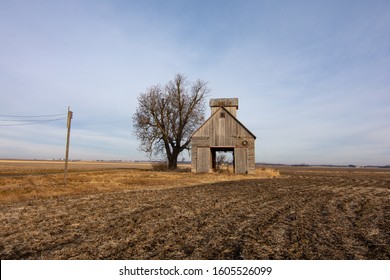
(221,160)
(167,116)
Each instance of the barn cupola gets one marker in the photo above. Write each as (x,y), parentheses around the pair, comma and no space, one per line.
(230,104)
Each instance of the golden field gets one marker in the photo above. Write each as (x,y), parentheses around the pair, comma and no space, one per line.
(24,180)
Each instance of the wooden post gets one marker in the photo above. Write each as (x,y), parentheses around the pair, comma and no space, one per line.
(70,115)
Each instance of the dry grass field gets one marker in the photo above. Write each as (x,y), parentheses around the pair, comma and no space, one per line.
(117,211)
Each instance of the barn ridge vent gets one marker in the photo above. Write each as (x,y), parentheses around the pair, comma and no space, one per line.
(230,104)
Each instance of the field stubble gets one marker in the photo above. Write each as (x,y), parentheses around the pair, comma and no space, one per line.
(302,214)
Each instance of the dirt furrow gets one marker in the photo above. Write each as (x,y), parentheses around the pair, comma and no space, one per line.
(305,216)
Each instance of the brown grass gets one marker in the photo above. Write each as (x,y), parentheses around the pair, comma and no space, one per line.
(139,214)
(24,180)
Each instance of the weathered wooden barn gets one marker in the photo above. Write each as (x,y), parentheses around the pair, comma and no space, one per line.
(223,132)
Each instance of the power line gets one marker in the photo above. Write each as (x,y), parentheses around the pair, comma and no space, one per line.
(33,122)
(21,120)
(29,120)
(41,116)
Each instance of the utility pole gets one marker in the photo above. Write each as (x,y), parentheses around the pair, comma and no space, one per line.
(69,122)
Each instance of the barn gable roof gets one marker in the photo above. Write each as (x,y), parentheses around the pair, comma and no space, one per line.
(234,118)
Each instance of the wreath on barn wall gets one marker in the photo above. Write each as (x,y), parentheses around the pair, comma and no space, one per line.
(244,143)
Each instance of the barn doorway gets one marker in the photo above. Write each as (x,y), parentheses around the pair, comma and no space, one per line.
(223,159)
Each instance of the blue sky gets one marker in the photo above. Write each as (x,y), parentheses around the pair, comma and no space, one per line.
(312,77)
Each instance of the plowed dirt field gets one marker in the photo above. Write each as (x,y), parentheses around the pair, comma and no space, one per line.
(303,214)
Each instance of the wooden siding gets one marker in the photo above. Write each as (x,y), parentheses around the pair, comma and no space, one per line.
(204,160)
(241,160)
(222,131)
(230,104)
(231,110)
(219,132)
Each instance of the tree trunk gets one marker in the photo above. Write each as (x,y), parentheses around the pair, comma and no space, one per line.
(172,160)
